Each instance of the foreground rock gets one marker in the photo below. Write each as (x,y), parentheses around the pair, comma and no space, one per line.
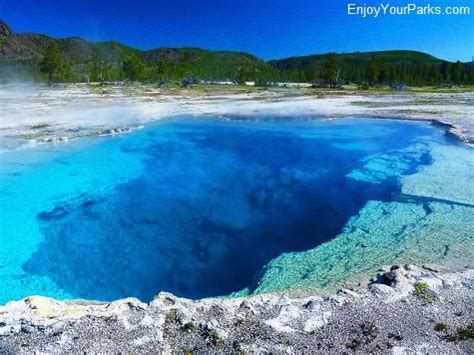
(408,308)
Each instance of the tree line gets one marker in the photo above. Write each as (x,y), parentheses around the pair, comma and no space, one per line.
(55,68)
(376,72)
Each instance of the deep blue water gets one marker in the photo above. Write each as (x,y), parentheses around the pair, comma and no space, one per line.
(210,203)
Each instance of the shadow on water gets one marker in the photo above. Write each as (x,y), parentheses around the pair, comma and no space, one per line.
(214,204)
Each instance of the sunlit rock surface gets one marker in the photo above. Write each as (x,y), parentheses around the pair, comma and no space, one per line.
(390,315)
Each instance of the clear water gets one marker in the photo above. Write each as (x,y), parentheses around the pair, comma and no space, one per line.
(192,206)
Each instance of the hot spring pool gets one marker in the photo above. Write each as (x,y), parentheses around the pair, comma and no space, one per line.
(198,207)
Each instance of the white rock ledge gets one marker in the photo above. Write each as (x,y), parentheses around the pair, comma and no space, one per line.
(387,316)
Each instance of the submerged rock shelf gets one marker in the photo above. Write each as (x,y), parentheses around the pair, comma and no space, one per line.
(433,223)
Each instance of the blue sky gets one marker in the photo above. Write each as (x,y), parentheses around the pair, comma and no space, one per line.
(267,28)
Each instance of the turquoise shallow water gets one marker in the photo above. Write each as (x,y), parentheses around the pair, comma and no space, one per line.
(198,207)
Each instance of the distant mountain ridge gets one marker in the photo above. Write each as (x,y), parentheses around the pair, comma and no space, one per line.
(376,67)
(24,46)
(29,49)
(357,59)
(25,51)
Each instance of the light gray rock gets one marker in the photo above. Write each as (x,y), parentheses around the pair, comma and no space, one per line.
(381,290)
(377,318)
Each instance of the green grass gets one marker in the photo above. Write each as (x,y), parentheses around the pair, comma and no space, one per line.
(189,326)
(40,126)
(422,291)
(466,333)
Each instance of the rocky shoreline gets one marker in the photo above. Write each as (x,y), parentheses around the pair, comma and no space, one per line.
(425,309)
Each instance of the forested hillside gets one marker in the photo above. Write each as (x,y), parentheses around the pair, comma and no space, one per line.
(411,67)
(31,56)
(75,59)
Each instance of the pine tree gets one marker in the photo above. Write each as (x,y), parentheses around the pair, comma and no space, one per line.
(392,74)
(457,72)
(314,73)
(435,74)
(242,73)
(161,71)
(470,73)
(53,63)
(444,71)
(373,71)
(330,68)
(383,76)
(133,67)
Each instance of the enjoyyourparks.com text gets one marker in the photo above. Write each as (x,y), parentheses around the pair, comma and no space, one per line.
(387,9)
